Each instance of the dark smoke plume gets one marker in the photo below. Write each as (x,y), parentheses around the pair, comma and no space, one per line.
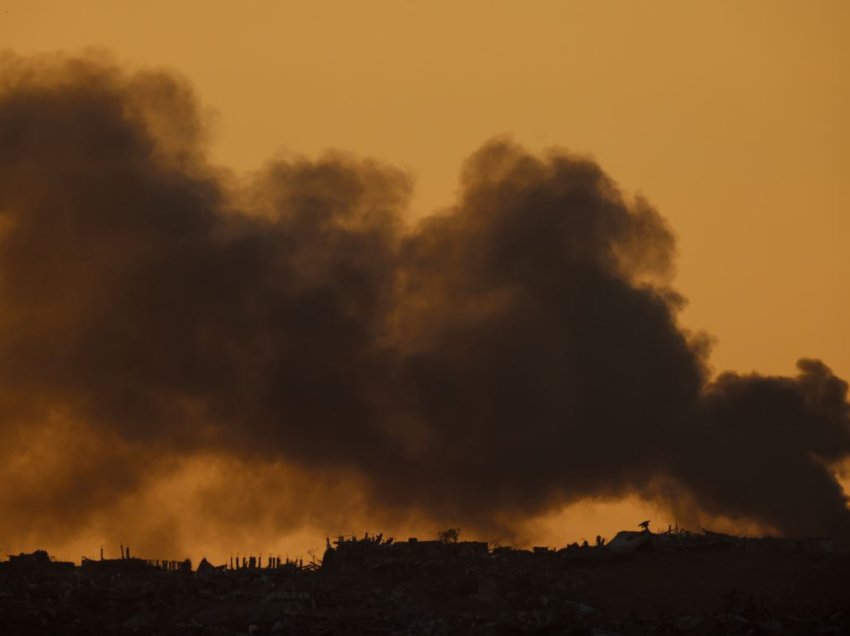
(506,356)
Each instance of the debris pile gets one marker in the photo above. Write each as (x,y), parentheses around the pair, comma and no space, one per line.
(675,582)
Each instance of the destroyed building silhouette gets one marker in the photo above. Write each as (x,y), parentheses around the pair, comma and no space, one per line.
(638,582)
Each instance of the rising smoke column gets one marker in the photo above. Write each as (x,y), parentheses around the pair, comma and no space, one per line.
(545,366)
(763,450)
(515,352)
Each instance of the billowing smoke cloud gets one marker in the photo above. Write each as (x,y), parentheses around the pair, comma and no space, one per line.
(506,356)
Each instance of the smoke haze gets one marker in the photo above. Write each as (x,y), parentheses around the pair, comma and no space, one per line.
(164,324)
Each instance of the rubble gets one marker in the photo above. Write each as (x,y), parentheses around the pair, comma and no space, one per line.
(674,582)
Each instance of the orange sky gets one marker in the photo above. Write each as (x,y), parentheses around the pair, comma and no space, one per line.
(731,117)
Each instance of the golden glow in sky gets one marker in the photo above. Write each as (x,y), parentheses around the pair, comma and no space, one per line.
(730,117)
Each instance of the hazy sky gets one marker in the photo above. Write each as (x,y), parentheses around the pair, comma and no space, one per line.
(730,117)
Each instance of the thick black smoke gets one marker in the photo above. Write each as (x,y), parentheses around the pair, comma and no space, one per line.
(513,353)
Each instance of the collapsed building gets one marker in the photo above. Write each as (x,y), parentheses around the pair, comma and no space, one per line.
(627,541)
(637,583)
(351,552)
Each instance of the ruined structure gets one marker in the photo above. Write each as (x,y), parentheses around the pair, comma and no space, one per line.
(638,583)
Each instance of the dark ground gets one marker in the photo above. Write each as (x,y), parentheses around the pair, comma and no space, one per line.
(368,587)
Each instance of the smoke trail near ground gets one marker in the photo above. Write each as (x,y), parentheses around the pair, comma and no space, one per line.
(511,354)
